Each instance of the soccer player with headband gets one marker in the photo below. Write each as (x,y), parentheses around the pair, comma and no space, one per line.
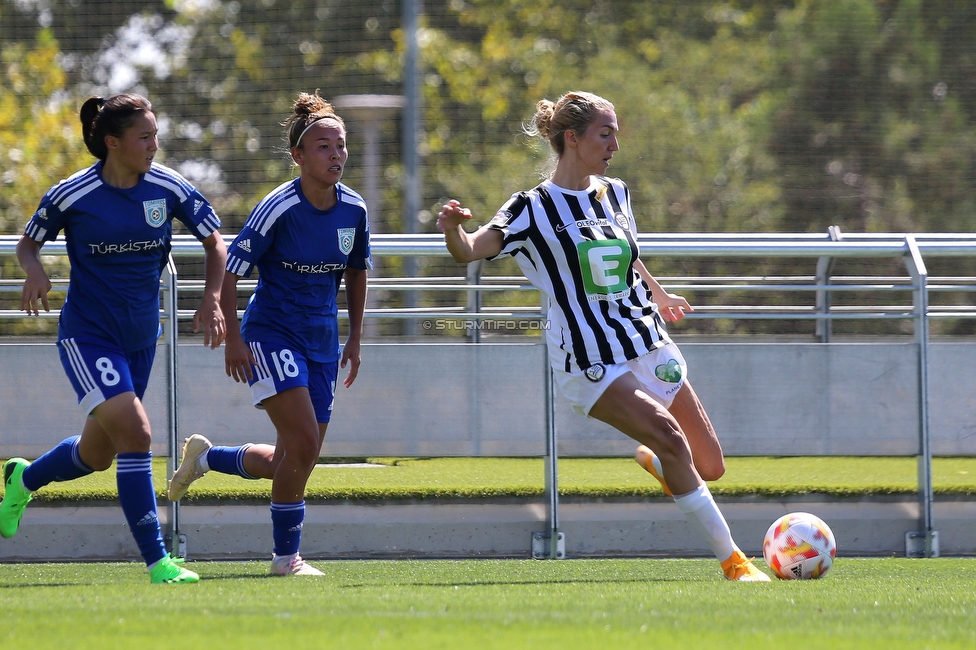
(117,217)
(304,238)
(574,238)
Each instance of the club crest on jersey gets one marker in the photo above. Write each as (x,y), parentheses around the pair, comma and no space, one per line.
(155,212)
(595,372)
(347,236)
(622,220)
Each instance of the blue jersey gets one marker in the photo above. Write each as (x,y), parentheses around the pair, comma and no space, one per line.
(118,242)
(300,253)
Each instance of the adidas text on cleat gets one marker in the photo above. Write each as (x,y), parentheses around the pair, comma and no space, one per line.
(168,571)
(741,569)
(194,448)
(646,459)
(15,496)
(292,565)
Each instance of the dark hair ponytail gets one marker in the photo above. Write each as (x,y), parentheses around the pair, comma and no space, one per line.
(307,110)
(101,117)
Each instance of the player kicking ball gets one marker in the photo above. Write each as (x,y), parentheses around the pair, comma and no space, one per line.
(574,238)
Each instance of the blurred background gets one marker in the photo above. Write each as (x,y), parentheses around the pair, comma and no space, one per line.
(751,117)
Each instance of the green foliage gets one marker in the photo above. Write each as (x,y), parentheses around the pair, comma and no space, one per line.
(736,115)
(40,137)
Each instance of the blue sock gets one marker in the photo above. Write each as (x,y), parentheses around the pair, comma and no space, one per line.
(229,460)
(60,464)
(138,499)
(286,524)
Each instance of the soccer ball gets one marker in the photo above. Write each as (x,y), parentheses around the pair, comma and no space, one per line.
(799,546)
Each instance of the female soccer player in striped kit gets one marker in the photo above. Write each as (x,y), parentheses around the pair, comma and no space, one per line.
(303,238)
(117,220)
(574,237)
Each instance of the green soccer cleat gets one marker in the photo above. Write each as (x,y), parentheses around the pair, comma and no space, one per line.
(15,496)
(168,571)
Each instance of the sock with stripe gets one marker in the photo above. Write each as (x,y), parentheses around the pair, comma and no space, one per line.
(138,498)
(62,463)
(701,510)
(286,523)
(226,460)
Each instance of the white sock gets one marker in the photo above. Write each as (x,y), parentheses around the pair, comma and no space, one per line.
(702,511)
(656,462)
(202,465)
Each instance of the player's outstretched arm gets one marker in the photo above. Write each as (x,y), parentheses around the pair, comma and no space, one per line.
(466,247)
(38,284)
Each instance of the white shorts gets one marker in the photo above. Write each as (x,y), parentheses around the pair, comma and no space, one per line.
(662,373)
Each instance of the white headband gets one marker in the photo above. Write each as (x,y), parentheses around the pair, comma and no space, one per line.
(313,123)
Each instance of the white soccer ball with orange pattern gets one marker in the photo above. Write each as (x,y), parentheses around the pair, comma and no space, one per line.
(799,546)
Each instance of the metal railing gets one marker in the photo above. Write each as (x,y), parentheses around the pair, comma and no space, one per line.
(913,249)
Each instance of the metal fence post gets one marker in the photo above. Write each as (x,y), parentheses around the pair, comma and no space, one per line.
(825,267)
(550,543)
(473,276)
(175,541)
(925,542)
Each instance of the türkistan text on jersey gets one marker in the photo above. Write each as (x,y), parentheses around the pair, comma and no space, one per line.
(321,267)
(127,247)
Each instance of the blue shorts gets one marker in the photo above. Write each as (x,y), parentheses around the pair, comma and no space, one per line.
(100,371)
(279,368)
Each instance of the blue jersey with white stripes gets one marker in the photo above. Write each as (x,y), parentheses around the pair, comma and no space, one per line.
(118,241)
(300,253)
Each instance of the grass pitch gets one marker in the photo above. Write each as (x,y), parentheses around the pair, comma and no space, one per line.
(485,477)
(645,603)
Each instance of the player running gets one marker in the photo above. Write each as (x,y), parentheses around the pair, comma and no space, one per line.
(574,238)
(117,220)
(303,238)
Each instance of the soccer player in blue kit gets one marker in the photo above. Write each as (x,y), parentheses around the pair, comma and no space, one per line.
(117,221)
(304,238)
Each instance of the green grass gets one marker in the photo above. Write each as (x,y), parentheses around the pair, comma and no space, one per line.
(862,603)
(467,478)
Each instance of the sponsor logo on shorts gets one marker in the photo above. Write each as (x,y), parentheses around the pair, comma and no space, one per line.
(595,372)
(669,372)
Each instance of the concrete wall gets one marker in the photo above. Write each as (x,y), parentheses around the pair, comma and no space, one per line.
(461,399)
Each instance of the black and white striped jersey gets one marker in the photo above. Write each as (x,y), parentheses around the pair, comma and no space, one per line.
(579,249)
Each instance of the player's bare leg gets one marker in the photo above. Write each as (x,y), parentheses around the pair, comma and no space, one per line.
(299,441)
(628,408)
